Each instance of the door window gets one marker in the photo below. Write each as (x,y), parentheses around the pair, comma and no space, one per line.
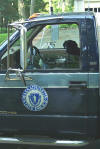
(54,47)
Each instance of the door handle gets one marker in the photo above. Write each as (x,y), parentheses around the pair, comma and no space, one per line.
(77,84)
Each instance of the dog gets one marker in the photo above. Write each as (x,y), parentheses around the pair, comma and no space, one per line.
(71,47)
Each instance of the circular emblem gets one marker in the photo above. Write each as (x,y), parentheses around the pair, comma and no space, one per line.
(35,98)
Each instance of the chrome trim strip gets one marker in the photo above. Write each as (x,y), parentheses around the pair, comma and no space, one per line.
(51,80)
(51,73)
(42,141)
(47,87)
(10,114)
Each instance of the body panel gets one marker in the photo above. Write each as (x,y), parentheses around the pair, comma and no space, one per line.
(73,96)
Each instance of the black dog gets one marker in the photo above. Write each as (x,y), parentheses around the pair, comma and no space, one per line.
(71,47)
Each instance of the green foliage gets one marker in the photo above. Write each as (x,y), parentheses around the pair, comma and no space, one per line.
(64,26)
(8,11)
(40,6)
(57,5)
(71,2)
(68,25)
(27,7)
(3,30)
(3,37)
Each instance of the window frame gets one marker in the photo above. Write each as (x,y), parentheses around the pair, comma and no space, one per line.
(65,21)
(61,70)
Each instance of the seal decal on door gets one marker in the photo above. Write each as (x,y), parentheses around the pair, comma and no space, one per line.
(35,98)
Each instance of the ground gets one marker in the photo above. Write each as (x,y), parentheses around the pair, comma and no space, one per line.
(94,145)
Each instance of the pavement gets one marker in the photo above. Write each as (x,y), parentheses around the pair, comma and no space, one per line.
(93,145)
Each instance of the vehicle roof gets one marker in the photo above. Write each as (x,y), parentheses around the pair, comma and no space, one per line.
(41,18)
(72,15)
(68,15)
(87,13)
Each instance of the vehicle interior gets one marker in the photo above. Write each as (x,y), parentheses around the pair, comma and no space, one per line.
(49,47)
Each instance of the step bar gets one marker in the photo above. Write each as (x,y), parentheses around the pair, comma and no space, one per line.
(42,141)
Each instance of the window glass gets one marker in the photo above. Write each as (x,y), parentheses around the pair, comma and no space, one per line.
(88,9)
(56,47)
(95,9)
(14,54)
(14,51)
(98,9)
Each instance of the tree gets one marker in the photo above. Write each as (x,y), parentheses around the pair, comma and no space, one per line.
(71,2)
(63,5)
(70,5)
(37,6)
(32,7)
(8,12)
(21,9)
(60,6)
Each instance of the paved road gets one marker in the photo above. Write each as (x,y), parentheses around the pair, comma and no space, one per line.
(94,145)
